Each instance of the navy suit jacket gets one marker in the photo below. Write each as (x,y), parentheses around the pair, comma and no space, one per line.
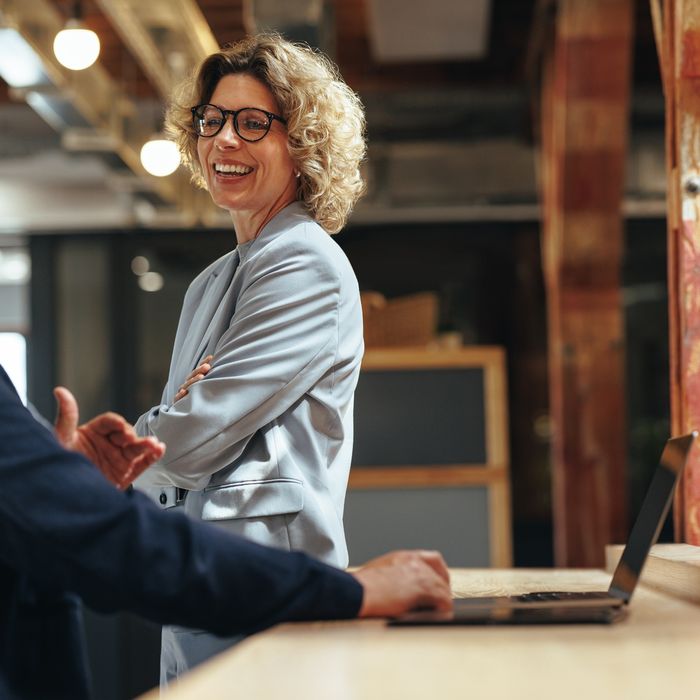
(65,531)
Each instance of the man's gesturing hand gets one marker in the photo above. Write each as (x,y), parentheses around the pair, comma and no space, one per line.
(401,581)
(107,440)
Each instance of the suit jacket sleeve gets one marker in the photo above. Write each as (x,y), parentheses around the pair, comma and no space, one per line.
(282,338)
(63,524)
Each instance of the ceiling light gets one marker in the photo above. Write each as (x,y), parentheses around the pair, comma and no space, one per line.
(151,282)
(75,47)
(160,156)
(140,265)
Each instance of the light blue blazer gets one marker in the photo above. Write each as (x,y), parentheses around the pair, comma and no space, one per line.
(264,441)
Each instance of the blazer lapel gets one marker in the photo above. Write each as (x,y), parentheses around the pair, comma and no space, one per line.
(218,304)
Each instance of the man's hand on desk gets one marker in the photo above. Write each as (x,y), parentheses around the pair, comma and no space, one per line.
(107,440)
(401,581)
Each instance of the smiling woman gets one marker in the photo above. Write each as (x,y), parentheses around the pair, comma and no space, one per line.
(257,410)
(246,165)
(324,119)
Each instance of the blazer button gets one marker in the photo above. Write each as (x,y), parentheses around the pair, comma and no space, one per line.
(163,499)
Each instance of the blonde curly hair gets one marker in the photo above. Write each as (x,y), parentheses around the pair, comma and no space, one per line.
(325,119)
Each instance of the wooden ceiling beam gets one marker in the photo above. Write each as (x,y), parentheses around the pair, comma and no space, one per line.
(168,38)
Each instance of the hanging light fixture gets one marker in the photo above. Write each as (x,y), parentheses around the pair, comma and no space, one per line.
(76,47)
(160,156)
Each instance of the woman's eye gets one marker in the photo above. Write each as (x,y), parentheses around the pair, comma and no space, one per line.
(254,124)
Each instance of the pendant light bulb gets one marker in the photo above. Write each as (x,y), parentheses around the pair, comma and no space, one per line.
(160,156)
(76,47)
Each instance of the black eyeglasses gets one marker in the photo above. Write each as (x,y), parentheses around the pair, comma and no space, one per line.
(250,123)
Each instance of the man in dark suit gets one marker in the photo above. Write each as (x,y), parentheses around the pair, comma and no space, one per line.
(66,531)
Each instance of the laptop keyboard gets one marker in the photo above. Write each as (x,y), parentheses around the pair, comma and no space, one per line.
(560,595)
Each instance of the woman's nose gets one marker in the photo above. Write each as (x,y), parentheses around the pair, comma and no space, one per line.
(227,137)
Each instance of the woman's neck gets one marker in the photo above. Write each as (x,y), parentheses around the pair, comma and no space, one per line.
(249,224)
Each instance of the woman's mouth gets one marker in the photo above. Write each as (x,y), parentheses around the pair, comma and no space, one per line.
(231,169)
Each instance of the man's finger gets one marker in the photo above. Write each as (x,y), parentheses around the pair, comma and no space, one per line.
(107,423)
(106,454)
(438,598)
(66,416)
(142,447)
(436,562)
(123,437)
(140,465)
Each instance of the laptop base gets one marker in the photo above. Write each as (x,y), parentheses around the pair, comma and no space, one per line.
(559,615)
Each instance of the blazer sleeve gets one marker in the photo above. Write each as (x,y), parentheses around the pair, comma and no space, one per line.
(63,525)
(282,339)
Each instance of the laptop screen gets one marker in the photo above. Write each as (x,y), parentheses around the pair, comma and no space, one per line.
(651,516)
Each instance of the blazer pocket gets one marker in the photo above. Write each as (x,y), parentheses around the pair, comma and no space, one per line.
(253,499)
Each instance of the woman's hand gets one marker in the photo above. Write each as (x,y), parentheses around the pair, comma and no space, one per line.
(195,376)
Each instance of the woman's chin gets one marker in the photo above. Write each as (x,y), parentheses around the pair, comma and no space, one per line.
(230,204)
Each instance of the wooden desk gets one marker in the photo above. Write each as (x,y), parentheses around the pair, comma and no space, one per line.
(651,655)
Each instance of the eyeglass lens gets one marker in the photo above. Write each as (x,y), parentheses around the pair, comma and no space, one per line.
(250,124)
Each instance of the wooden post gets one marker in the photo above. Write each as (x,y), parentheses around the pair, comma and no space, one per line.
(677,30)
(585,98)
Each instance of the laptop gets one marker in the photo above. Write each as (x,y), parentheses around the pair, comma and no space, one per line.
(578,607)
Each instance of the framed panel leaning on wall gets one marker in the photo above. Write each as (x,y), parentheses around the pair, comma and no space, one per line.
(430,462)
